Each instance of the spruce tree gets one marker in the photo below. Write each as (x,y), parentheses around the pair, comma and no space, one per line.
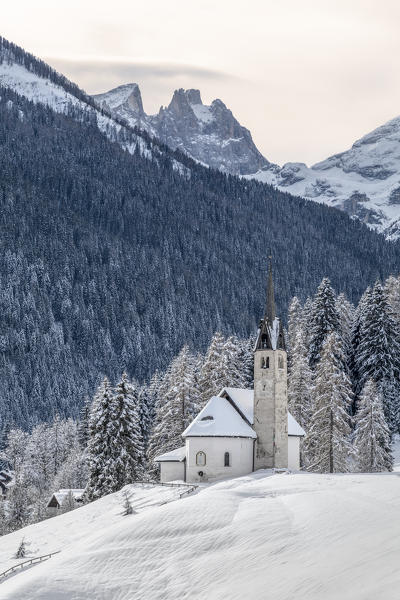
(377,356)
(213,376)
(357,333)
(231,364)
(372,435)
(126,451)
(345,310)
(246,361)
(294,323)
(83,427)
(99,445)
(327,446)
(392,289)
(300,382)
(178,403)
(324,319)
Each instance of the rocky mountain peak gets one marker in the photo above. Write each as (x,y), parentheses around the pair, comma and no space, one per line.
(127,95)
(209,134)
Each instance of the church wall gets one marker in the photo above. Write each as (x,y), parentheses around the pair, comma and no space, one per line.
(240,457)
(294,453)
(172,471)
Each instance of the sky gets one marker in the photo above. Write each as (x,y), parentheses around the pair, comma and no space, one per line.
(307,77)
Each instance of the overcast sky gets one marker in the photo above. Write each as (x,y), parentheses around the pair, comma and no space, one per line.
(307,77)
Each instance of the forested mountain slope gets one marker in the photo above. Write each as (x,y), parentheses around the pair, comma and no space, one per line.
(111,260)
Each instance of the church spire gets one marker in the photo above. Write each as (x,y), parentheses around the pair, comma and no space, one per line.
(270,312)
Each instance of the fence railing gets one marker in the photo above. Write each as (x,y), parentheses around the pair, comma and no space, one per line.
(30,561)
(190,486)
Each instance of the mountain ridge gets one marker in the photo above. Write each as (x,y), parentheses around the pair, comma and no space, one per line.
(209,134)
(363,181)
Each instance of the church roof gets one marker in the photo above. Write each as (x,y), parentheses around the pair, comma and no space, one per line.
(219,418)
(177,455)
(244,400)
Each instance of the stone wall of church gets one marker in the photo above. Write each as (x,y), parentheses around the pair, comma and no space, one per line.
(214,448)
(270,409)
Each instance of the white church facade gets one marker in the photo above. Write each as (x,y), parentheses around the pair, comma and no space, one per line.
(242,430)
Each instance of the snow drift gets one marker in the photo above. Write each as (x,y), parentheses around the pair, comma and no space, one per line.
(283,536)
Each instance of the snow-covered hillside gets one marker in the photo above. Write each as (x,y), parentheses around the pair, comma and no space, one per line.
(39,83)
(303,536)
(209,134)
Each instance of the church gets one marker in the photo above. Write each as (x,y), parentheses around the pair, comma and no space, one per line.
(242,430)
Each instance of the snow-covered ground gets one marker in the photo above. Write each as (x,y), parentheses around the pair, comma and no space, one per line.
(303,536)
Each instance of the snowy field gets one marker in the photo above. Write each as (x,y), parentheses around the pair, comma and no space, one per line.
(303,536)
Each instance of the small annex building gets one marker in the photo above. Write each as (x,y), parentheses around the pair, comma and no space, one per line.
(65,497)
(242,430)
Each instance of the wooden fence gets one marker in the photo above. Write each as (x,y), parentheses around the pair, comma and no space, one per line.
(30,561)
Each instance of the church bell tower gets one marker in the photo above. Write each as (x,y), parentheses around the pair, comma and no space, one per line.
(270,388)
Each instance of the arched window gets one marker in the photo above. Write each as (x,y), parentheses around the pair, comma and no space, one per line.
(264,341)
(280,362)
(201,459)
(226,459)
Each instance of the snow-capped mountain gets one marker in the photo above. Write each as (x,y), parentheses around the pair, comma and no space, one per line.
(209,134)
(364,181)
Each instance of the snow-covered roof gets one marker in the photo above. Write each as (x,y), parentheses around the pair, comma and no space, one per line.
(293,427)
(61,495)
(244,400)
(177,455)
(219,419)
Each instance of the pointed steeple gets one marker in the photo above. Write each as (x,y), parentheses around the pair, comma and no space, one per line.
(270,312)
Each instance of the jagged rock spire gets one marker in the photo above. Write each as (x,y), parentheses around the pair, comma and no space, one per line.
(270,312)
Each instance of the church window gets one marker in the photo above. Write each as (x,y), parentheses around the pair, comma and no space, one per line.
(280,362)
(226,459)
(265,362)
(201,458)
(264,341)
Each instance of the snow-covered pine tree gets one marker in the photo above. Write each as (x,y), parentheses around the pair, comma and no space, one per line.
(327,446)
(246,361)
(3,519)
(294,323)
(21,551)
(232,366)
(300,382)
(83,427)
(99,454)
(306,320)
(372,435)
(126,458)
(324,319)
(152,392)
(212,376)
(377,356)
(178,403)
(392,289)
(15,452)
(18,513)
(73,473)
(345,310)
